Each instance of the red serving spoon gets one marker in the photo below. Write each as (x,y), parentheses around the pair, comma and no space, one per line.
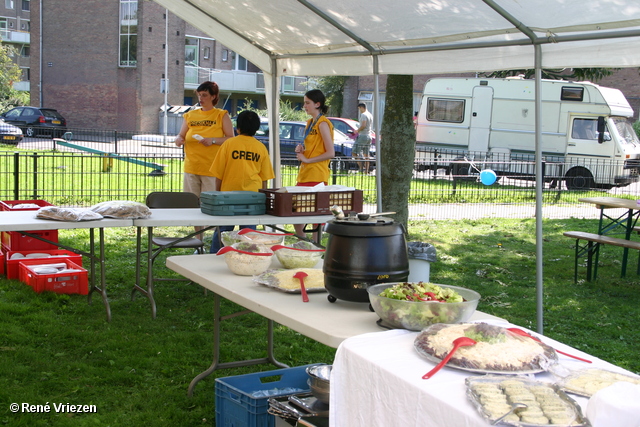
(527,334)
(226,249)
(301,275)
(457,343)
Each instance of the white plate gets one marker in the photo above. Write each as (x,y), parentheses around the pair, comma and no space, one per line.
(45,270)
(38,255)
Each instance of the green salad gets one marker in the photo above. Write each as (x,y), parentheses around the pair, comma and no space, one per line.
(421,291)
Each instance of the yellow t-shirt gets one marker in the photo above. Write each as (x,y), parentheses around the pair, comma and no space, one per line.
(314,146)
(242,164)
(208,124)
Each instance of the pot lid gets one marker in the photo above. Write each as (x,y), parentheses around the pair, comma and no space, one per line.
(354,220)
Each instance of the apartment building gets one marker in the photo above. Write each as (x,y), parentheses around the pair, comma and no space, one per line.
(104,64)
(15,24)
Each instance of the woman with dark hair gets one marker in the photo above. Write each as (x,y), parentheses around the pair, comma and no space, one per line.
(317,151)
(203,131)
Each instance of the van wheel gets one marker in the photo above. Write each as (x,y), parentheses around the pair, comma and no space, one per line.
(579,179)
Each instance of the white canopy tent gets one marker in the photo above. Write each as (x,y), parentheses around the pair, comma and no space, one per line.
(373,37)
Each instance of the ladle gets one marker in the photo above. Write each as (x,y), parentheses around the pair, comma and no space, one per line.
(457,343)
(226,249)
(365,216)
(301,275)
(526,334)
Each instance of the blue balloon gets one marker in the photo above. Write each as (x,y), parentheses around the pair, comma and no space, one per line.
(488,177)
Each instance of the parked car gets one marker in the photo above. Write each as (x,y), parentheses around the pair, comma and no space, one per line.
(292,134)
(10,134)
(347,126)
(36,121)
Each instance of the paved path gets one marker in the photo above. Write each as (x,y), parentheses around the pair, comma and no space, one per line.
(488,210)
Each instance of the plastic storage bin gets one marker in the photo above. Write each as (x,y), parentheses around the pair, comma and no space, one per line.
(231,203)
(236,406)
(12,269)
(312,203)
(62,283)
(16,241)
(11,205)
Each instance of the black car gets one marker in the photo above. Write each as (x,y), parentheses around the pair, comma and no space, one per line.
(36,121)
(292,134)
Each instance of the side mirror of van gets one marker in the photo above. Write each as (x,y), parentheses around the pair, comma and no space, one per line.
(601,128)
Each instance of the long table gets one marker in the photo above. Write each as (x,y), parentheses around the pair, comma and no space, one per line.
(193,217)
(320,320)
(376,381)
(25,221)
(623,219)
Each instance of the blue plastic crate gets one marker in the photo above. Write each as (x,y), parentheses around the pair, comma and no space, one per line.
(236,406)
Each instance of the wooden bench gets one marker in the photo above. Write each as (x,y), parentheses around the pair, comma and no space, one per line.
(592,246)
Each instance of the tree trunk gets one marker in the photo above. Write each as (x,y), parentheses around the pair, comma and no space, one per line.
(397,147)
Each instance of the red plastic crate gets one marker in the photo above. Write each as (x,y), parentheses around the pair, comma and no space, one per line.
(13,265)
(16,241)
(62,283)
(8,205)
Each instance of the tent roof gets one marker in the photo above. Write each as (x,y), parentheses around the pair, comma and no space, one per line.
(338,37)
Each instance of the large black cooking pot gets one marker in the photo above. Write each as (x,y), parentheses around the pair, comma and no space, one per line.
(361,253)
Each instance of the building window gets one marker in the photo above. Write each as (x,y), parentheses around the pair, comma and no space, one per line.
(191,51)
(128,32)
(8,4)
(225,55)
(26,5)
(25,52)
(206,52)
(239,62)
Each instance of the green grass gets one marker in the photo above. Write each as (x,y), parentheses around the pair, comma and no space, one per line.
(57,348)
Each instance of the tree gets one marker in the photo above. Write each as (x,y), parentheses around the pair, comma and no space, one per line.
(397,146)
(333,89)
(9,73)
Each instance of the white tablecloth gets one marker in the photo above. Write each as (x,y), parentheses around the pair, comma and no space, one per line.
(376,381)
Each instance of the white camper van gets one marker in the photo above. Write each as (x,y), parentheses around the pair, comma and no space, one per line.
(467,124)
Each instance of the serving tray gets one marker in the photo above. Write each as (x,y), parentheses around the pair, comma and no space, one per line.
(272,279)
(548,398)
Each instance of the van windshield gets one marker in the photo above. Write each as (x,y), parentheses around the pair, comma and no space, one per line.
(625,130)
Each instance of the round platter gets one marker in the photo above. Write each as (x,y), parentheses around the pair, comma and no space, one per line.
(542,357)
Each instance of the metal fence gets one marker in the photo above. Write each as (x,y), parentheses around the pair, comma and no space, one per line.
(97,166)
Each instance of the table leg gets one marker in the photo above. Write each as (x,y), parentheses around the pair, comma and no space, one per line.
(102,289)
(215,364)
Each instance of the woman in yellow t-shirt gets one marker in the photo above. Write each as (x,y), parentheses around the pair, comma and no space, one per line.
(317,151)
(203,131)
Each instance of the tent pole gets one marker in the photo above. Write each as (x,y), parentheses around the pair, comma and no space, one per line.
(272,88)
(376,125)
(539,187)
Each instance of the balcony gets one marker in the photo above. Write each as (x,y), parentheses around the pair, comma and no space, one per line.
(10,36)
(241,81)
